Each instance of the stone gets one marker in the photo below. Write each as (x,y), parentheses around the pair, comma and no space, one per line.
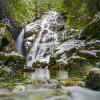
(56,27)
(30,58)
(60,27)
(52,27)
(98,65)
(93,79)
(45,31)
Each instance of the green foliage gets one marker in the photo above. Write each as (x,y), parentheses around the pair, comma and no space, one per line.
(92,30)
(78,13)
(21,11)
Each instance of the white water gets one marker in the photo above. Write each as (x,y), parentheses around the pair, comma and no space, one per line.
(41,74)
(19,42)
(45,42)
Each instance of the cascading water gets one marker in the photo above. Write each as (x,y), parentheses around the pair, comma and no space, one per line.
(19,42)
(41,74)
(46,40)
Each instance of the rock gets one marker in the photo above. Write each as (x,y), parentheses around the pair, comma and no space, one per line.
(27,46)
(29,34)
(6,38)
(52,27)
(14,60)
(93,79)
(45,31)
(60,27)
(97,65)
(34,30)
(19,88)
(30,58)
(60,19)
(56,27)
(6,72)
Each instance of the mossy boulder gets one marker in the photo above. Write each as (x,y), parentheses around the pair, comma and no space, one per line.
(8,37)
(5,72)
(12,60)
(34,30)
(56,28)
(93,79)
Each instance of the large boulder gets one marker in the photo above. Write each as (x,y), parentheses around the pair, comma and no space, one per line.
(93,79)
(11,64)
(12,60)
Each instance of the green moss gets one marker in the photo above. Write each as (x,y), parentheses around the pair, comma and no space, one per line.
(12,60)
(8,37)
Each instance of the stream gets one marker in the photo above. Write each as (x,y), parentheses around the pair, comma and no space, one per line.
(52,89)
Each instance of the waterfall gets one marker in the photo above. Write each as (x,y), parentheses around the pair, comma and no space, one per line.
(41,74)
(41,45)
(46,40)
(19,42)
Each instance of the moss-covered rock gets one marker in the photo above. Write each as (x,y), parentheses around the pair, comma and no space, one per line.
(93,79)
(8,37)
(33,31)
(12,60)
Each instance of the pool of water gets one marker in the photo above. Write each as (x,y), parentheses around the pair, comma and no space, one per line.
(29,92)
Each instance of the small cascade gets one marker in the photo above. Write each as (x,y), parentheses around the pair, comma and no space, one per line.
(38,74)
(41,74)
(47,39)
(19,42)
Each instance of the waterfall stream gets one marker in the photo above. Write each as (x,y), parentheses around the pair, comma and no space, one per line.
(19,43)
(46,40)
